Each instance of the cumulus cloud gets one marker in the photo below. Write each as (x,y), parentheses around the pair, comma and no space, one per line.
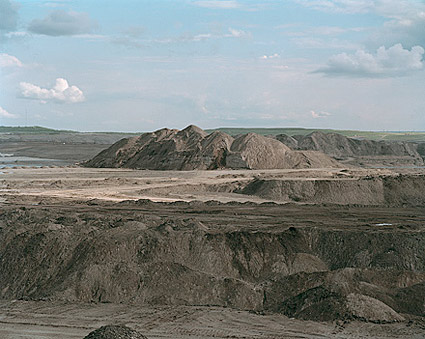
(394,61)
(60,93)
(219,4)
(6,114)
(8,15)
(7,60)
(320,115)
(59,22)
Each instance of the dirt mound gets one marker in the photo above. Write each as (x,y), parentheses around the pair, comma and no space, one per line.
(341,192)
(114,332)
(348,294)
(167,149)
(342,147)
(321,304)
(399,190)
(289,141)
(255,151)
(192,148)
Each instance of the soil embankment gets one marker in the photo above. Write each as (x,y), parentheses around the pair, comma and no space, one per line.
(305,262)
(357,151)
(394,190)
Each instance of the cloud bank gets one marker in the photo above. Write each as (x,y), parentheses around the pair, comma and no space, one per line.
(60,93)
(59,23)
(8,15)
(394,61)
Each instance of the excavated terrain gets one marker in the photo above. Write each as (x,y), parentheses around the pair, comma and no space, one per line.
(361,263)
(79,236)
(286,244)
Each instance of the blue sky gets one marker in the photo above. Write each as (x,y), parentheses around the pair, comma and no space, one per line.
(142,65)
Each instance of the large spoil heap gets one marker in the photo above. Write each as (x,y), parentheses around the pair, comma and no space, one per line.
(194,149)
(342,147)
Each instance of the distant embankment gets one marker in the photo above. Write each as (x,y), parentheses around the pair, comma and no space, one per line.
(413,136)
(342,148)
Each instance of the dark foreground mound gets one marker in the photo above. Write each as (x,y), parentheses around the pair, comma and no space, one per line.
(115,332)
(318,263)
(192,148)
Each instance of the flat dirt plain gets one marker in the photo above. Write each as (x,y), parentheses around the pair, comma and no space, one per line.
(212,254)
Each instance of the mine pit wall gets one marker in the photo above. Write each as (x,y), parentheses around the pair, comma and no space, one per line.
(184,263)
(391,190)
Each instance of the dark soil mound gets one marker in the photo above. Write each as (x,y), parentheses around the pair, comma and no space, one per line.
(114,332)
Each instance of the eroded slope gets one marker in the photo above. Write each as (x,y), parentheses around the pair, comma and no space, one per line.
(306,262)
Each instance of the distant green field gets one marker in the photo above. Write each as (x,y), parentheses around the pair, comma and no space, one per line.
(30,129)
(387,135)
(371,135)
(45,130)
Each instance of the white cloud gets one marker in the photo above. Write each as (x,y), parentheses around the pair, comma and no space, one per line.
(6,114)
(200,37)
(17,34)
(60,93)
(60,22)
(395,9)
(236,33)
(223,4)
(320,115)
(341,6)
(318,43)
(394,61)
(7,60)
(273,56)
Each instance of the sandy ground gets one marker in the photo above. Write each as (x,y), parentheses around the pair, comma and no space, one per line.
(42,320)
(121,184)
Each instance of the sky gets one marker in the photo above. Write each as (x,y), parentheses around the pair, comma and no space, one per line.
(141,65)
